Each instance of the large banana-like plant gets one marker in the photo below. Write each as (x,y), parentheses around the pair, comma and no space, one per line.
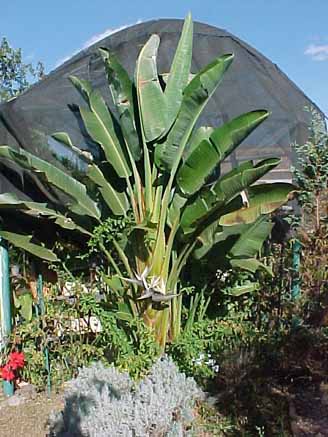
(168,170)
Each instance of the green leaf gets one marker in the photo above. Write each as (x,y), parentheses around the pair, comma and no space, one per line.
(124,312)
(214,234)
(117,202)
(263,199)
(202,133)
(54,176)
(122,90)
(25,302)
(114,283)
(24,242)
(151,99)
(252,238)
(211,201)
(195,97)
(205,158)
(65,139)
(99,125)
(239,290)
(84,87)
(10,200)
(175,209)
(250,264)
(180,70)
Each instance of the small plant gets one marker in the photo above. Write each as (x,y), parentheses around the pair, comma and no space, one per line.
(103,402)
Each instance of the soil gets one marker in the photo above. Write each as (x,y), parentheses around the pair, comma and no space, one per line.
(26,414)
(309,410)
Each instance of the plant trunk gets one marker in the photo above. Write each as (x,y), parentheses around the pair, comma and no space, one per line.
(158,321)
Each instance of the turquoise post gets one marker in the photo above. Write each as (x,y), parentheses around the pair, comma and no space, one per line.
(296,281)
(42,308)
(5,300)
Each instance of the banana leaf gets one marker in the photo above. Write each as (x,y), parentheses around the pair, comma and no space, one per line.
(180,71)
(122,90)
(176,206)
(65,139)
(151,99)
(9,200)
(54,176)
(24,242)
(210,201)
(252,238)
(195,97)
(263,199)
(214,234)
(202,161)
(84,87)
(250,264)
(117,202)
(99,125)
(202,133)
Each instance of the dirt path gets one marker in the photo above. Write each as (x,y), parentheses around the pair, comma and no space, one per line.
(28,418)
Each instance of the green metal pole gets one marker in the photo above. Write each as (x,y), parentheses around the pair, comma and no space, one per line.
(296,281)
(42,308)
(5,301)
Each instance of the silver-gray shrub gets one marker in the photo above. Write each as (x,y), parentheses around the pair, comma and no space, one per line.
(104,402)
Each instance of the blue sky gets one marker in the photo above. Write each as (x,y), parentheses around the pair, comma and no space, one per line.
(292,33)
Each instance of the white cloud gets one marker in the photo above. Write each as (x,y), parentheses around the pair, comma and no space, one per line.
(318,52)
(93,39)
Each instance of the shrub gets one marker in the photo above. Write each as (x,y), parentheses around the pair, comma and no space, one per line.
(128,344)
(105,402)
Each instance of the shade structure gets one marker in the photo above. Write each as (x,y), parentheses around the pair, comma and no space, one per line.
(252,82)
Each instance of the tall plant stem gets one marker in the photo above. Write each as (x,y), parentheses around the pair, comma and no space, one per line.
(167,192)
(133,200)
(137,209)
(123,257)
(110,259)
(148,179)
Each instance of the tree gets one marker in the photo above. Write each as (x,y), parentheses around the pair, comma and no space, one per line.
(15,75)
(156,188)
(311,171)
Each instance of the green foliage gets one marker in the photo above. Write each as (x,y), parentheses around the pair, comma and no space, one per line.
(15,74)
(311,174)
(111,229)
(129,344)
(311,170)
(149,206)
